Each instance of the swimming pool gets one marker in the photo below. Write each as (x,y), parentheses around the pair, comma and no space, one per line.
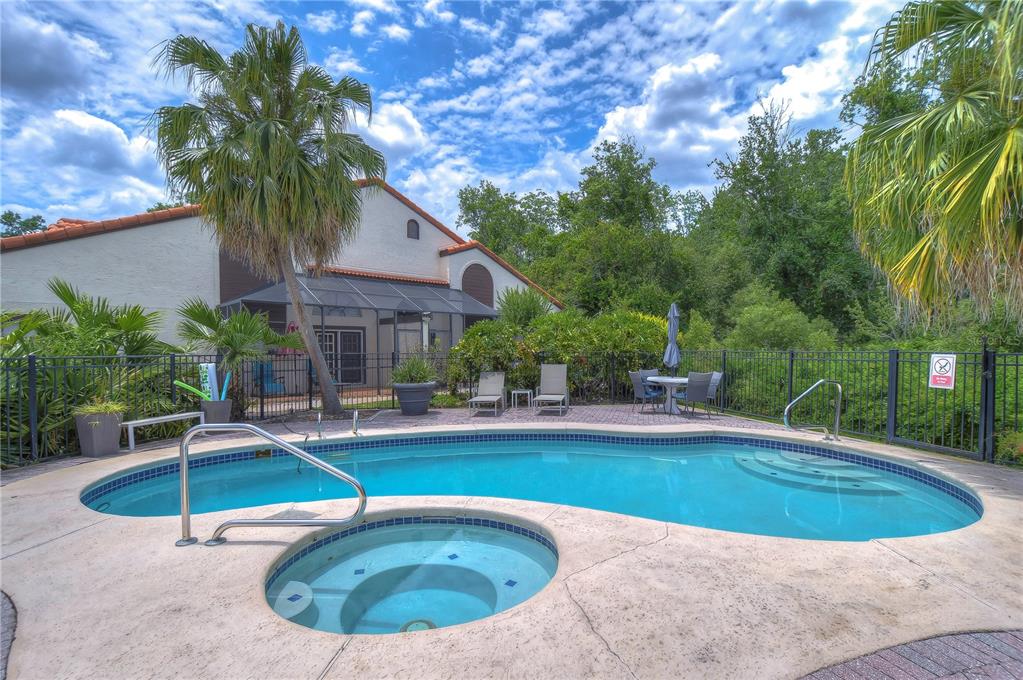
(751,485)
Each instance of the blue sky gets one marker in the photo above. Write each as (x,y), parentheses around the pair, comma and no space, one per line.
(515,93)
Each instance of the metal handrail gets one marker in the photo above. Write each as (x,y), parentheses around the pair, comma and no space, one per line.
(217,538)
(838,409)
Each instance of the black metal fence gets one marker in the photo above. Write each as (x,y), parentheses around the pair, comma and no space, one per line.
(885,393)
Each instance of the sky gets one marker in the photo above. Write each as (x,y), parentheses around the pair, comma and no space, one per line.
(515,93)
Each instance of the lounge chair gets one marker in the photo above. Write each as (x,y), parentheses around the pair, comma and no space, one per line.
(642,392)
(263,377)
(489,391)
(553,392)
(696,391)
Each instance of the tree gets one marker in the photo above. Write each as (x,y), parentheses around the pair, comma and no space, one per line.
(763,320)
(237,338)
(936,192)
(265,150)
(161,205)
(13,224)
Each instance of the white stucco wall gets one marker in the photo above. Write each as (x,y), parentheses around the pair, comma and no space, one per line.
(457,263)
(157,266)
(382,245)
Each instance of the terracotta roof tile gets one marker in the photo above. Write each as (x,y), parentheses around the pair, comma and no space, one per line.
(469,245)
(382,276)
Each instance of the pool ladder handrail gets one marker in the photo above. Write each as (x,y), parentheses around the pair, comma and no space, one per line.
(217,538)
(838,410)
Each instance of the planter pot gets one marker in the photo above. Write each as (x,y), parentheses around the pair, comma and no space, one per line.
(414,398)
(99,434)
(217,411)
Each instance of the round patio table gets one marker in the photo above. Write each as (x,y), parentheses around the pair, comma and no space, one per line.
(669,383)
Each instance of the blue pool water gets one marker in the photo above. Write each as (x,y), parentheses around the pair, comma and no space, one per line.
(729,485)
(396,579)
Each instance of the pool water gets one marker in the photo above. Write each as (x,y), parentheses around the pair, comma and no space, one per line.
(408,578)
(736,487)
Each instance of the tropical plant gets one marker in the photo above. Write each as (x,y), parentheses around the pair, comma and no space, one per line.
(86,326)
(100,406)
(238,338)
(416,368)
(266,151)
(937,192)
(519,306)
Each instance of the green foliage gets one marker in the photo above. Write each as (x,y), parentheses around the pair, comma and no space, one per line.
(763,320)
(698,334)
(100,406)
(238,338)
(13,224)
(1010,448)
(627,331)
(448,400)
(519,306)
(417,368)
(936,189)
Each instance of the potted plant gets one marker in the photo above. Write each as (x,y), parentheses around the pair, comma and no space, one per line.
(414,380)
(99,427)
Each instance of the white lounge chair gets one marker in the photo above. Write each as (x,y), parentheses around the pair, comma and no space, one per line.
(489,391)
(553,392)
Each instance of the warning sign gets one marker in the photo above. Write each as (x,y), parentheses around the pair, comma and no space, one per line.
(943,371)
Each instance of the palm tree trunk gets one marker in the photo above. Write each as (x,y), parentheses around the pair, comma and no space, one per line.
(328,395)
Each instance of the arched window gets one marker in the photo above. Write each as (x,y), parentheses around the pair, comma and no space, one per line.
(412,229)
(477,282)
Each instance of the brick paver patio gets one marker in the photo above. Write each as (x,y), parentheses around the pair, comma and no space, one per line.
(994,656)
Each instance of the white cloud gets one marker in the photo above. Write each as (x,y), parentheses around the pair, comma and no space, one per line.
(397,32)
(491,32)
(396,132)
(361,21)
(817,85)
(384,6)
(343,62)
(324,22)
(436,10)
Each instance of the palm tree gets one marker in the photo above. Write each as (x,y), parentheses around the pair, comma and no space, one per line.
(266,152)
(237,338)
(936,193)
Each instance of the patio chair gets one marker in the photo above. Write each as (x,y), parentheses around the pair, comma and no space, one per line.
(696,391)
(553,391)
(712,391)
(641,392)
(263,378)
(489,391)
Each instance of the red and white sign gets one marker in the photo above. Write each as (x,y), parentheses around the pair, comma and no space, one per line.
(943,371)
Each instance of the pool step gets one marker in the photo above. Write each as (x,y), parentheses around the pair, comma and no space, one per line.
(810,475)
(815,467)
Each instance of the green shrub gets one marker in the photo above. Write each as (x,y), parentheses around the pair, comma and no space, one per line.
(763,320)
(699,333)
(485,346)
(448,400)
(519,306)
(417,368)
(627,331)
(1010,448)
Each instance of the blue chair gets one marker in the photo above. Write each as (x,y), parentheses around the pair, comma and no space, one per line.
(642,392)
(263,376)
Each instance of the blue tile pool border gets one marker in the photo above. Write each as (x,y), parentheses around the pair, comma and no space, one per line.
(406,520)
(97,491)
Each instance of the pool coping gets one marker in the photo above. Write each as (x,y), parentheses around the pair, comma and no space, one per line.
(632,596)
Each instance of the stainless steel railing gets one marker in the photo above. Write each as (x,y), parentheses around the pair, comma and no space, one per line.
(838,410)
(217,538)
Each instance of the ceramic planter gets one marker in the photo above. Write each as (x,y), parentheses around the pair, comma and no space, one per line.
(99,434)
(217,411)
(414,398)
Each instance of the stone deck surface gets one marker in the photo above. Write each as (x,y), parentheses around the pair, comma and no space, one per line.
(105,596)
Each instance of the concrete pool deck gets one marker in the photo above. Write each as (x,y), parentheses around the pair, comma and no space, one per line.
(105,596)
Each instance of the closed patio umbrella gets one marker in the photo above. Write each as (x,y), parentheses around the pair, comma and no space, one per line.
(671,353)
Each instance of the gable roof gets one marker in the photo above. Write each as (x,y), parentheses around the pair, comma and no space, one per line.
(470,245)
(67,228)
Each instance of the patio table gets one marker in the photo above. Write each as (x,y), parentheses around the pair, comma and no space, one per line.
(669,383)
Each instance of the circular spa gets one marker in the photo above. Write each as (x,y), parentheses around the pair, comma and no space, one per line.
(755,485)
(410,573)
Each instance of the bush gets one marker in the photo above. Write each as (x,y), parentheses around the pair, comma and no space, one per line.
(699,333)
(520,306)
(485,346)
(100,407)
(448,400)
(1010,448)
(763,320)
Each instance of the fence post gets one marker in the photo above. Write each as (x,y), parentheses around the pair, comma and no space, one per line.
(262,389)
(173,377)
(33,406)
(988,359)
(309,380)
(724,380)
(792,360)
(893,393)
(611,363)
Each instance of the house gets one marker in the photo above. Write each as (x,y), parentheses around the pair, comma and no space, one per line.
(404,282)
